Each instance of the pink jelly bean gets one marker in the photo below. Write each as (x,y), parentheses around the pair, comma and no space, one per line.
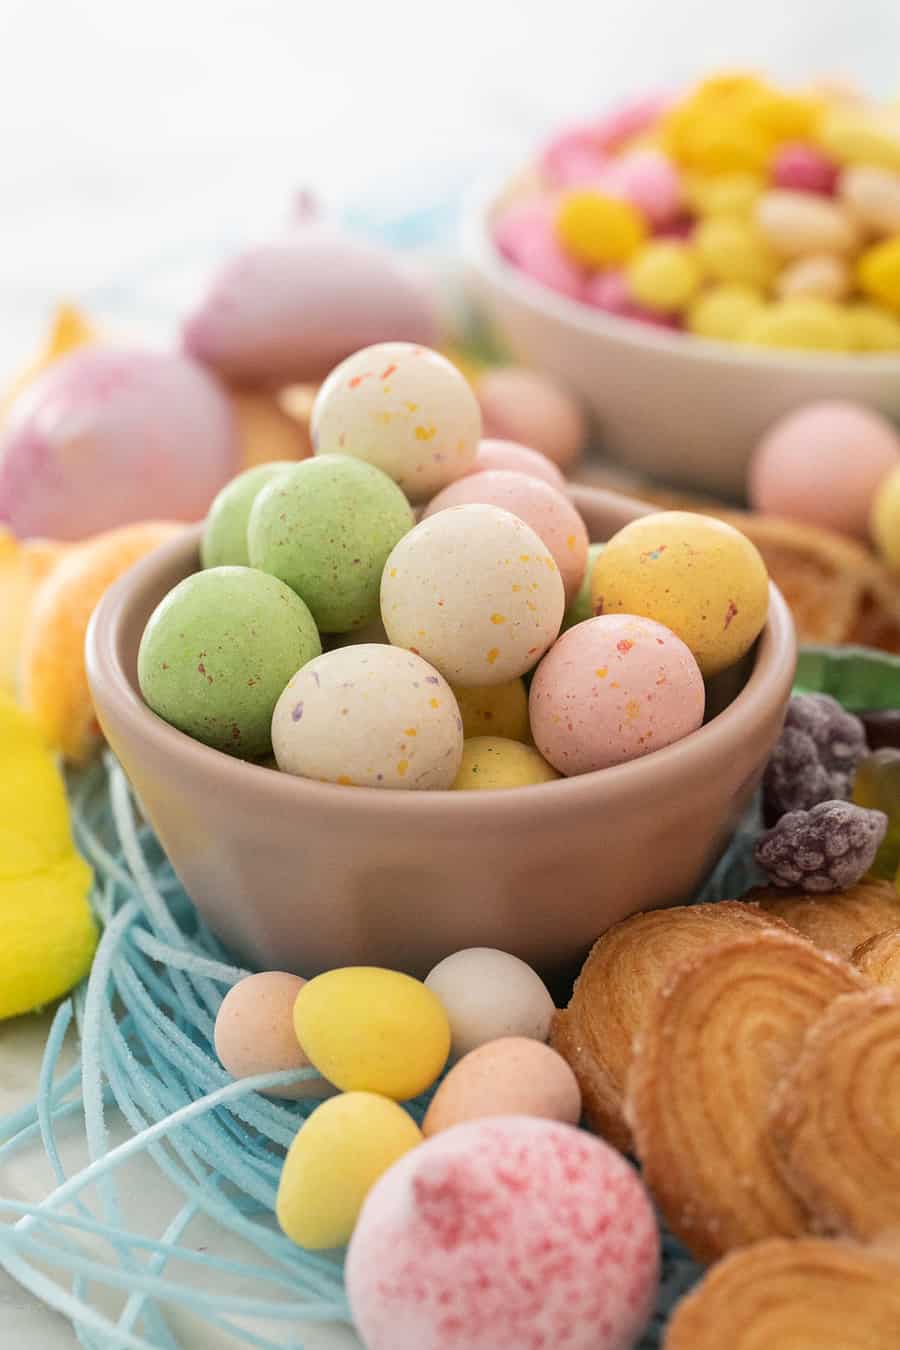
(609,291)
(525,236)
(803,168)
(682,227)
(629,119)
(649,180)
(572,157)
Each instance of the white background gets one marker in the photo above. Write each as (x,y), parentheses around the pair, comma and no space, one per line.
(140,140)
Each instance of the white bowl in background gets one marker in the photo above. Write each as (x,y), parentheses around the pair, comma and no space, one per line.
(677,407)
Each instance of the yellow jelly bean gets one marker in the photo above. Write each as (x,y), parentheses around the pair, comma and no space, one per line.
(885,522)
(862,134)
(714,130)
(806,324)
(492,762)
(495,710)
(664,276)
(724,311)
(872,328)
(733,250)
(337,1156)
(598,230)
(372,1030)
(728,194)
(878,272)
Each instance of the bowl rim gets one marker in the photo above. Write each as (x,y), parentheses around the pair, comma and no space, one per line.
(768,682)
(478,250)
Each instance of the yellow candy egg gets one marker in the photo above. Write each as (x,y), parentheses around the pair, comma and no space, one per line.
(872,329)
(336,1157)
(700,577)
(878,272)
(730,249)
(862,134)
(822,276)
(492,762)
(597,230)
(803,323)
(885,522)
(494,710)
(724,311)
(372,1030)
(664,276)
(727,194)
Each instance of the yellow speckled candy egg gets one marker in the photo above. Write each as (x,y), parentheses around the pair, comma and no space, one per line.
(733,250)
(494,710)
(337,1156)
(795,224)
(372,1030)
(515,1076)
(369,716)
(664,276)
(885,524)
(872,329)
(474,591)
(403,408)
(822,276)
(803,322)
(724,311)
(698,576)
(878,272)
(598,231)
(873,196)
(492,762)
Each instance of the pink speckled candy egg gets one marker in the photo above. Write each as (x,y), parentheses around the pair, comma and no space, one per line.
(523,405)
(403,408)
(290,309)
(493,454)
(525,234)
(108,437)
(505,1234)
(476,592)
(609,291)
(612,689)
(369,716)
(549,513)
(649,180)
(823,464)
(803,168)
(254,1033)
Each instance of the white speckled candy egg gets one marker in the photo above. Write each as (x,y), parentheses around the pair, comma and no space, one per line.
(369,716)
(475,592)
(488,994)
(405,409)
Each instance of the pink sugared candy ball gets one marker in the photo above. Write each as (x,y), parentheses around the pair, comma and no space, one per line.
(823,465)
(493,454)
(525,234)
(506,1233)
(523,405)
(549,513)
(107,437)
(612,689)
(802,168)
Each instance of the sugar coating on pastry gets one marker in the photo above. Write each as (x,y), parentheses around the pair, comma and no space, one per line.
(505,1234)
(836,923)
(618,984)
(721,1034)
(878,958)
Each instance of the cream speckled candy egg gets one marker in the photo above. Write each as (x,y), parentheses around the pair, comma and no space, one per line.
(475,592)
(369,716)
(405,409)
(613,689)
(488,994)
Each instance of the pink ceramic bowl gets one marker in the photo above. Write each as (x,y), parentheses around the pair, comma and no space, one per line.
(303,876)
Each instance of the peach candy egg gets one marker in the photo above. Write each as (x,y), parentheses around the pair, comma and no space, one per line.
(523,405)
(474,591)
(254,1032)
(612,689)
(494,454)
(549,513)
(488,994)
(403,408)
(369,716)
(515,1076)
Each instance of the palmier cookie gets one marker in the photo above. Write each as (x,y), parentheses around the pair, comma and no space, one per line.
(837,923)
(878,958)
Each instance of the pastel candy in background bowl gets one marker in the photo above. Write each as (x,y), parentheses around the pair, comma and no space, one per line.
(530,407)
(369,715)
(493,454)
(403,408)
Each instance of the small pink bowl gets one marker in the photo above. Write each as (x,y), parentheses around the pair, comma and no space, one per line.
(303,876)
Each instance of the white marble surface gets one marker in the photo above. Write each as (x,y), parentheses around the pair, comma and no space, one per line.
(139,141)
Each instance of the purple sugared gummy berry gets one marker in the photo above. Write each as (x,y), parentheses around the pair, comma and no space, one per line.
(815,757)
(826,849)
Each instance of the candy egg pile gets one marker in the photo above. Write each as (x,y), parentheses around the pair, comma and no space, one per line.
(367,650)
(738,210)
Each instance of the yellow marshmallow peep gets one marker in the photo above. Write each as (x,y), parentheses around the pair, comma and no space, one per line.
(49,933)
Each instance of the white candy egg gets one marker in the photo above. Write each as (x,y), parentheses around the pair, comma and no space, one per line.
(488,994)
(369,716)
(474,591)
(405,409)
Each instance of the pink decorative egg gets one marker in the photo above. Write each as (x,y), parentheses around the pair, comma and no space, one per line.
(802,168)
(492,454)
(108,437)
(612,689)
(523,405)
(291,309)
(823,465)
(549,513)
(505,1234)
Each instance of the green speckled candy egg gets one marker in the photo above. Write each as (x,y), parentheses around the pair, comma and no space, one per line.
(582,607)
(326,528)
(225,532)
(217,653)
